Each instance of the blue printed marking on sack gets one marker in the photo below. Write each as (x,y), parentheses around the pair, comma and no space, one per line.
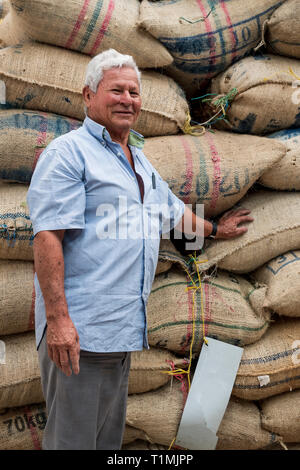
(204,41)
(282,261)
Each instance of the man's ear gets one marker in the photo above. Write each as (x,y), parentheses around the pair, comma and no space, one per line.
(87,94)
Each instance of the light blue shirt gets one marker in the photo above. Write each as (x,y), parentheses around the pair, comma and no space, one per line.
(83,183)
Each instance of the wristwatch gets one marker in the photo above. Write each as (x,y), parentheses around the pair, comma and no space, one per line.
(214,230)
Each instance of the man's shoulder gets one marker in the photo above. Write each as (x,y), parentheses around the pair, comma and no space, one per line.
(66,141)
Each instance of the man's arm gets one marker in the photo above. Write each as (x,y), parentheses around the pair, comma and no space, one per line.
(228,225)
(62,337)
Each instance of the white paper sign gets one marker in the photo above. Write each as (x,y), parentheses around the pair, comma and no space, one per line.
(209,395)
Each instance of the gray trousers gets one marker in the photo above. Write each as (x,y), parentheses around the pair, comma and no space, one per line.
(85,411)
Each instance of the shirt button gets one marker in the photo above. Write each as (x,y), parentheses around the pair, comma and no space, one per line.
(119,154)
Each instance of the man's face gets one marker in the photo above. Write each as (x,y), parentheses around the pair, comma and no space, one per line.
(117,102)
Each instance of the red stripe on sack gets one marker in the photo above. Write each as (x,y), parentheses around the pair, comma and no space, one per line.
(41,140)
(104,27)
(31,314)
(206,309)
(78,24)
(33,431)
(209,30)
(229,22)
(217,171)
(189,169)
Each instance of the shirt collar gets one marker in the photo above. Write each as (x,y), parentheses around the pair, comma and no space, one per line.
(100,133)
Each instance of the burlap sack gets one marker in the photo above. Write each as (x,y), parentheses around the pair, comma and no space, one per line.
(205,37)
(22,428)
(48,78)
(232,309)
(215,170)
(132,434)
(24,135)
(90,27)
(148,369)
(282,276)
(271,365)
(158,415)
(267,98)
(281,415)
(163,266)
(275,230)
(17,297)
(16,235)
(20,382)
(143,445)
(285,174)
(283,30)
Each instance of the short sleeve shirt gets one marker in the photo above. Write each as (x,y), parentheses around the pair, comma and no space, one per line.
(84,184)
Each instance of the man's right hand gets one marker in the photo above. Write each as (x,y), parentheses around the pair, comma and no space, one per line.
(63,345)
(229,223)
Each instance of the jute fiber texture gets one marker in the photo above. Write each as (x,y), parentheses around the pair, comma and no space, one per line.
(48,78)
(282,276)
(283,30)
(224,306)
(215,169)
(20,382)
(22,428)
(16,235)
(148,369)
(158,415)
(24,135)
(132,434)
(90,27)
(271,365)
(205,37)
(285,174)
(17,297)
(281,415)
(274,231)
(163,266)
(266,100)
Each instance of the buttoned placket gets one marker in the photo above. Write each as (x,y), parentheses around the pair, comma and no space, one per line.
(125,165)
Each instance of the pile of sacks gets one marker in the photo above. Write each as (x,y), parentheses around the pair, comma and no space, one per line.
(249,294)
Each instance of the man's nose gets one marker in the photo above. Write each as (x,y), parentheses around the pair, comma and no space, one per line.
(125,98)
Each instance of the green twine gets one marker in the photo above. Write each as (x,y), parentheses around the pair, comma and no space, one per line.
(221,104)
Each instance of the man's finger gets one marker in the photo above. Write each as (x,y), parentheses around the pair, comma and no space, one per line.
(64,362)
(55,357)
(241,230)
(74,358)
(244,218)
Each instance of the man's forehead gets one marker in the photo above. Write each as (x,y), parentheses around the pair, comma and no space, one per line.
(120,74)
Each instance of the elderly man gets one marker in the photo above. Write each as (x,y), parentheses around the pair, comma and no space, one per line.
(92,284)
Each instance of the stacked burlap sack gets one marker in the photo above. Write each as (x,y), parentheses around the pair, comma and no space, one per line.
(43,84)
(248,294)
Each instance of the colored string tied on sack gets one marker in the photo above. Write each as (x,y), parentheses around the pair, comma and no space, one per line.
(195,287)
(220,103)
(195,130)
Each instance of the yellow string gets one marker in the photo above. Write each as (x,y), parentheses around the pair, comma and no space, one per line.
(192,130)
(195,288)
(288,72)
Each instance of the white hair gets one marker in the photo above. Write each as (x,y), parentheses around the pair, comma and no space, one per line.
(104,61)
